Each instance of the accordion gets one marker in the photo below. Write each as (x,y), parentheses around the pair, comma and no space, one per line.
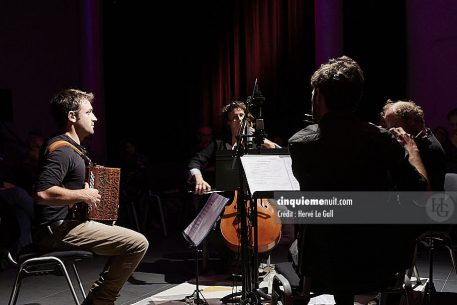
(107,181)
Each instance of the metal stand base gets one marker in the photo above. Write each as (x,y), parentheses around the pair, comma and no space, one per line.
(196,298)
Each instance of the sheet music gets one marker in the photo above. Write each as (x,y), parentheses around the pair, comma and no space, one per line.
(269,173)
(199,228)
(288,163)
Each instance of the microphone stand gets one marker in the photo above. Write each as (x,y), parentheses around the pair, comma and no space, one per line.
(250,292)
(243,131)
(238,152)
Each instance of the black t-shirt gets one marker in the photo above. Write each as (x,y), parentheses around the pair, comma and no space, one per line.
(63,167)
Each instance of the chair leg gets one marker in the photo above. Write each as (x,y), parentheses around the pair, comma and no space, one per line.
(134,216)
(79,280)
(70,285)
(413,269)
(162,218)
(16,287)
(408,290)
(453,259)
(416,275)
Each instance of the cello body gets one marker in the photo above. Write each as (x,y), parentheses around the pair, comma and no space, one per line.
(268,225)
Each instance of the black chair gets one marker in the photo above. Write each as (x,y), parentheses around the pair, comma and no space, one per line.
(440,236)
(34,263)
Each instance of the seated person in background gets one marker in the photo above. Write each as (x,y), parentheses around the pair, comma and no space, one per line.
(410,117)
(18,200)
(134,169)
(204,138)
(233,114)
(343,153)
(27,171)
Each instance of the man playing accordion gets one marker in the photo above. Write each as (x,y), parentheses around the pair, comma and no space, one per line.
(61,185)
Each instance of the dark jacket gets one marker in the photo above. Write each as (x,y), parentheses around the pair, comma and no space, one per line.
(342,153)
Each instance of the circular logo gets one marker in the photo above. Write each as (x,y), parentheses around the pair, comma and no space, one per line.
(440,207)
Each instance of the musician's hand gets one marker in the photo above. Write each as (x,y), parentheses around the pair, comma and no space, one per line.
(405,139)
(92,196)
(409,144)
(268,144)
(201,186)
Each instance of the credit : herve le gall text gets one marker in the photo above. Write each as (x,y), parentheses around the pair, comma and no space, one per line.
(306,214)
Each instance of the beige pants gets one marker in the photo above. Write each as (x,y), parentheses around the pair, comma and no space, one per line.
(124,247)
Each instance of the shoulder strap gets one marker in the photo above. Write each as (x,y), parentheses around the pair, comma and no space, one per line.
(60,143)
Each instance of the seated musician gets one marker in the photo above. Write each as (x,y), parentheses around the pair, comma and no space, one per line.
(343,153)
(233,114)
(61,185)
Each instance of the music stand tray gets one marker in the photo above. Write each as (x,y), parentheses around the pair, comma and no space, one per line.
(196,232)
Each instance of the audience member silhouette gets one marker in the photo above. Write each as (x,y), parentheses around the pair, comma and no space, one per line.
(27,171)
(204,137)
(22,204)
(134,168)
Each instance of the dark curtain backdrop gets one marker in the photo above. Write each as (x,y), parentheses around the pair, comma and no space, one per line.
(269,40)
(375,35)
(169,68)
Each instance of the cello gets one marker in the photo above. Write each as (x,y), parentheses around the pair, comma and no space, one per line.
(268,225)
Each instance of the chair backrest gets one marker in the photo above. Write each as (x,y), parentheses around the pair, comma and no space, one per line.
(450,185)
(450,182)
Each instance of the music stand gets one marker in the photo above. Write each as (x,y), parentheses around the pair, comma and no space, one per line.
(197,231)
(250,167)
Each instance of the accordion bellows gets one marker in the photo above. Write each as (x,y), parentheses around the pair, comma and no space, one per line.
(107,181)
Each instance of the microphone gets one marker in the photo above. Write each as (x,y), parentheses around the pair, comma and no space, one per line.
(250,136)
(260,134)
(259,124)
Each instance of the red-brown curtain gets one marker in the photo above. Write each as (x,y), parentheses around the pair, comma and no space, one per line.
(266,39)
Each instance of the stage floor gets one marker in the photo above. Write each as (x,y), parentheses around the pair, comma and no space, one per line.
(167,275)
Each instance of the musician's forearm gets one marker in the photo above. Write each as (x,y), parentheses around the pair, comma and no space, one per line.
(59,196)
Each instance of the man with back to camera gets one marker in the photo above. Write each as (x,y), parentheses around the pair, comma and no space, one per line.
(343,153)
